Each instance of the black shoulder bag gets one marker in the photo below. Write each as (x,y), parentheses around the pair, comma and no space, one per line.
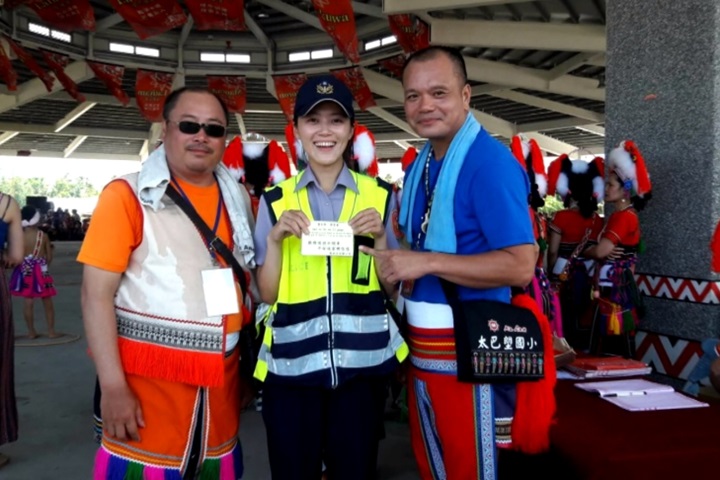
(249,342)
(494,341)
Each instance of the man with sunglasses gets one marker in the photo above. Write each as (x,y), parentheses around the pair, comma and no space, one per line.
(154,297)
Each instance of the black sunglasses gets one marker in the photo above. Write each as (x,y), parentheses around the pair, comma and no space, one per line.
(191,128)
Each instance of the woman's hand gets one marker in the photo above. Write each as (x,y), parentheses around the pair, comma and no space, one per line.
(368,221)
(291,222)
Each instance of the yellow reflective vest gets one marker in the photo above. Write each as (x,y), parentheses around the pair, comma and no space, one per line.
(329,323)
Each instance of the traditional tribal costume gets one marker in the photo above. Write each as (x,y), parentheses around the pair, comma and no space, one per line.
(580,184)
(31,279)
(181,364)
(528,153)
(620,303)
(456,427)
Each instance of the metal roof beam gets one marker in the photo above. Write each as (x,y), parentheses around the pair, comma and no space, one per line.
(551,105)
(111,100)
(392,119)
(571,64)
(241,124)
(553,125)
(35,89)
(550,144)
(369,10)
(594,129)
(108,22)
(402,144)
(531,79)
(7,136)
(485,89)
(73,115)
(70,149)
(519,35)
(185,32)
(60,154)
(257,31)
(293,12)
(598,61)
(144,150)
(392,89)
(73,131)
(387,87)
(409,6)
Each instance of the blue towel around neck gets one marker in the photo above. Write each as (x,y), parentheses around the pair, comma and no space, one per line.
(441,235)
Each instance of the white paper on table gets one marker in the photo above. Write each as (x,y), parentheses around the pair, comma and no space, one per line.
(655,401)
(628,387)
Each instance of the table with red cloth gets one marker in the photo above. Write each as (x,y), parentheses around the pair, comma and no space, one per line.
(594,439)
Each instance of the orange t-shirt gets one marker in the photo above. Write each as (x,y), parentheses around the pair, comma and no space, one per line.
(116,228)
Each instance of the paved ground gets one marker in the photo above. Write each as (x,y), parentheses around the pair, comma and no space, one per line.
(55,386)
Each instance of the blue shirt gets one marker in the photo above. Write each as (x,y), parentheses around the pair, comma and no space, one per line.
(324,207)
(491,212)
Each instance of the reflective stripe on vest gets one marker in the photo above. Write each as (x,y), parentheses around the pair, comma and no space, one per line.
(322,338)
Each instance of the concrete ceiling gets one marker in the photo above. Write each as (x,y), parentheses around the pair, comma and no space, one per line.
(536,67)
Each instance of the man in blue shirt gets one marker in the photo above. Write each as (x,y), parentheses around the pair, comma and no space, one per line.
(464,214)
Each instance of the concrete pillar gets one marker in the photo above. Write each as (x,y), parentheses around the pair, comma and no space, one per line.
(663,92)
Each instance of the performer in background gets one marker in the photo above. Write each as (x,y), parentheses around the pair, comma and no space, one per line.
(581,186)
(528,153)
(620,307)
(11,245)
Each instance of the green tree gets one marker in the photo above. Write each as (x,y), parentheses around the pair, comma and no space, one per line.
(65,187)
(552,205)
(20,188)
(72,188)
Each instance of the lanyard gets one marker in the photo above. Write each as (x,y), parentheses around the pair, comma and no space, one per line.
(429,197)
(217,214)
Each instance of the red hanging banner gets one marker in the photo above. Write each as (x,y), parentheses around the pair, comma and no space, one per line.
(30,62)
(57,63)
(394,65)
(112,77)
(231,89)
(338,20)
(412,33)
(150,17)
(7,72)
(226,15)
(151,89)
(67,15)
(353,78)
(286,88)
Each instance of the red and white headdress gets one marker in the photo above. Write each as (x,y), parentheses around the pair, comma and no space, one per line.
(530,156)
(629,164)
(364,151)
(564,172)
(233,159)
(238,153)
(408,157)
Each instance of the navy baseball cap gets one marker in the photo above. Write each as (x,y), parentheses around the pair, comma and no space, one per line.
(323,88)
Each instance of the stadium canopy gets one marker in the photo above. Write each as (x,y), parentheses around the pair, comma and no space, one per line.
(535,67)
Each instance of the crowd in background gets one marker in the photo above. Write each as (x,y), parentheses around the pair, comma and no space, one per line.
(62,224)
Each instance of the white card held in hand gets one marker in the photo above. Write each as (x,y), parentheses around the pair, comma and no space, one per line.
(220,293)
(332,239)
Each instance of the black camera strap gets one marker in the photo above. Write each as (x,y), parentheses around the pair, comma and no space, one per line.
(214,242)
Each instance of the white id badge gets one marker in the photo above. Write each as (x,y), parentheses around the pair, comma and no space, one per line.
(325,239)
(220,293)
